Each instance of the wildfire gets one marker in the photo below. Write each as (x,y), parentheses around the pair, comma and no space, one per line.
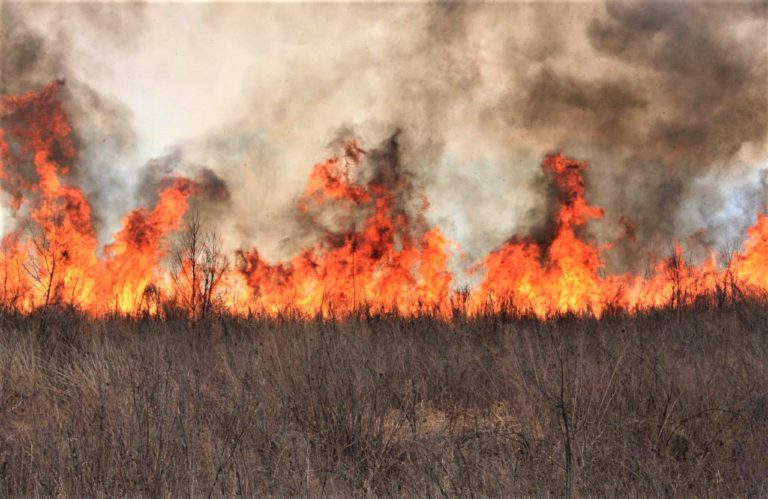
(376,252)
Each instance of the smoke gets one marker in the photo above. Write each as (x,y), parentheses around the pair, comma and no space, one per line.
(103,135)
(666,101)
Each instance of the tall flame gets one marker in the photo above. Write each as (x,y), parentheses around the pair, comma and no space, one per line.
(561,278)
(383,266)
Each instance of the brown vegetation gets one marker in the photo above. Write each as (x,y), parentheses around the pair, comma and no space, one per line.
(671,402)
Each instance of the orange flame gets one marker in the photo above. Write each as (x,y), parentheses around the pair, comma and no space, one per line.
(57,263)
(568,275)
(377,253)
(384,266)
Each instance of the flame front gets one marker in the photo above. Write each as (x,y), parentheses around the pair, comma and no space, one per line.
(376,254)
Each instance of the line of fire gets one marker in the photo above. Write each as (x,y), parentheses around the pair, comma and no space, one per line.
(385,259)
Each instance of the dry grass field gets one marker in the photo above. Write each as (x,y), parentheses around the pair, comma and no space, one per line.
(673,402)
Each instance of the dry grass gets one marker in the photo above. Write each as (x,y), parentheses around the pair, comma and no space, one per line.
(669,403)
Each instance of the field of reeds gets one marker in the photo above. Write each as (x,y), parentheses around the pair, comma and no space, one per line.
(671,402)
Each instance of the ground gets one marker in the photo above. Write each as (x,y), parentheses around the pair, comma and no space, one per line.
(673,402)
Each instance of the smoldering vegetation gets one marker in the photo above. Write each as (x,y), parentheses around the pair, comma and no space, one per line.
(673,402)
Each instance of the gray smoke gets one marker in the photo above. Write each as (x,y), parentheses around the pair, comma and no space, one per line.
(102,130)
(666,100)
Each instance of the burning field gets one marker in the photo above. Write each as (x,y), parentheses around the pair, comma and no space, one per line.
(391,220)
(419,249)
(378,253)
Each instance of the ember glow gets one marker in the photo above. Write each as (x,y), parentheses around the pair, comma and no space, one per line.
(378,254)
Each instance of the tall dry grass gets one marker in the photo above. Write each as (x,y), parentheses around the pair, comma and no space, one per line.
(667,403)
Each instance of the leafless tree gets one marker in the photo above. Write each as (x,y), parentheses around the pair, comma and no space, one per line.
(43,265)
(214,265)
(198,267)
(186,258)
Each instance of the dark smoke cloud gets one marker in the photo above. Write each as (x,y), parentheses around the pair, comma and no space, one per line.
(680,86)
(713,92)
(24,54)
(715,87)
(676,89)
(600,108)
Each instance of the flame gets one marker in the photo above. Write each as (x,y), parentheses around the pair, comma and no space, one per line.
(134,259)
(57,261)
(376,252)
(561,278)
(383,266)
(568,275)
